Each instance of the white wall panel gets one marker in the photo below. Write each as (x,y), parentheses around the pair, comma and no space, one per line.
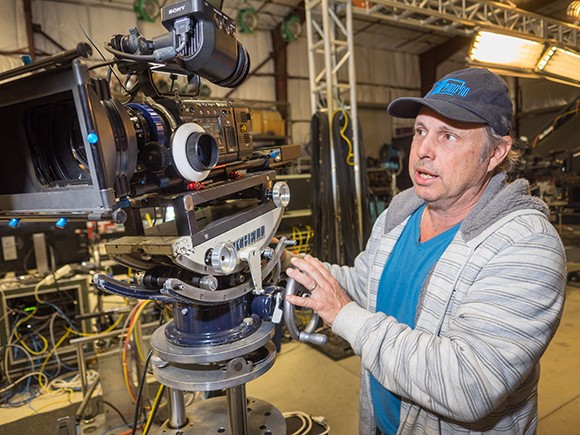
(298,58)
(12,33)
(364,65)
(259,46)
(299,99)
(383,69)
(12,25)
(376,130)
(405,68)
(254,88)
(62,22)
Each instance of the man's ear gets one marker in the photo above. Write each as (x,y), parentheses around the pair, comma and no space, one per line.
(499,153)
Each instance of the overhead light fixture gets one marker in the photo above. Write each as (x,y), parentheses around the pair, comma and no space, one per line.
(560,63)
(505,50)
(291,28)
(248,20)
(573,9)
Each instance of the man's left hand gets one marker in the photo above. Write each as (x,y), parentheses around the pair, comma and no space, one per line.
(327,297)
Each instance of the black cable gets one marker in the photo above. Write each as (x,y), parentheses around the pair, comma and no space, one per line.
(136,57)
(103,64)
(347,195)
(114,408)
(324,244)
(154,409)
(323,215)
(103,56)
(140,392)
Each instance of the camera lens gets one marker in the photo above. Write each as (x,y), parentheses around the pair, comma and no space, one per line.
(56,145)
(241,70)
(194,152)
(201,151)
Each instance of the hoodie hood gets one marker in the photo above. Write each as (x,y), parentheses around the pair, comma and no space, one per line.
(498,200)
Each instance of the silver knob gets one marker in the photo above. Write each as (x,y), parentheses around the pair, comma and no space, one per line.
(281,194)
(208,282)
(224,258)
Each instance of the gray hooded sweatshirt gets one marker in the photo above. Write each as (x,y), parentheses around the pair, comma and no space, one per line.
(486,314)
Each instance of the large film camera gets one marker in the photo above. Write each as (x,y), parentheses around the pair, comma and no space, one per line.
(73,151)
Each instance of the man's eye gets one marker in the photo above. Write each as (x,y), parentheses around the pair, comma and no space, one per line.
(449,136)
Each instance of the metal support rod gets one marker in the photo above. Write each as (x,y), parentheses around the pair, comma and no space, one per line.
(354,117)
(82,50)
(85,407)
(336,44)
(237,415)
(80,341)
(177,417)
(83,375)
(29,28)
(314,92)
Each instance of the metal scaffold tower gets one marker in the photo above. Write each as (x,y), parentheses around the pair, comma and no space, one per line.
(333,83)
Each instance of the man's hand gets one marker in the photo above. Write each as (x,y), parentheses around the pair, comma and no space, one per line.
(327,297)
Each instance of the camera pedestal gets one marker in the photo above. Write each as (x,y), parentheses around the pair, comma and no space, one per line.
(228,366)
(222,415)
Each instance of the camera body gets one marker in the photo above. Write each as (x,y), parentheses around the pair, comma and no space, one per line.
(72,150)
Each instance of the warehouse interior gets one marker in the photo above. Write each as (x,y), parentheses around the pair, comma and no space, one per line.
(159,157)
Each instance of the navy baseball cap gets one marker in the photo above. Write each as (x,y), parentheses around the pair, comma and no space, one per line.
(474,95)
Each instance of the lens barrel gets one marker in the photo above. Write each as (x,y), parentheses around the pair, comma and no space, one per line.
(202,151)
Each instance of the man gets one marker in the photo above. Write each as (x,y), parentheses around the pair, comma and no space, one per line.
(461,285)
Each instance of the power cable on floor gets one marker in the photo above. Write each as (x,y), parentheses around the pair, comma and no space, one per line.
(307,422)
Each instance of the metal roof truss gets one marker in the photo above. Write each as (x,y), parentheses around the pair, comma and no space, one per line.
(464,17)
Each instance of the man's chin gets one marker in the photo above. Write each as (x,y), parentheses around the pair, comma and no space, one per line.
(425,193)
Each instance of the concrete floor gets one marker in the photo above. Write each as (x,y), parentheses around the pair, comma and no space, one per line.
(304,379)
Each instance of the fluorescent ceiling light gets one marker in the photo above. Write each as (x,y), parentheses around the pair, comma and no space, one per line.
(561,63)
(507,51)
(573,9)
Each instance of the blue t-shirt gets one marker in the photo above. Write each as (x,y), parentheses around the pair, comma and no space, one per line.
(398,294)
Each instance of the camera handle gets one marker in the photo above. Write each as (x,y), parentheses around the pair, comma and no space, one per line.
(307,335)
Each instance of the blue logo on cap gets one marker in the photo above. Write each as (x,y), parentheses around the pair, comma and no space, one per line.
(451,87)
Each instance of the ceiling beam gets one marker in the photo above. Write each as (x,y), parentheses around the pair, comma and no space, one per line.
(29,28)
(466,17)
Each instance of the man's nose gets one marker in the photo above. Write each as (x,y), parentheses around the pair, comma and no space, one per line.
(425,147)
